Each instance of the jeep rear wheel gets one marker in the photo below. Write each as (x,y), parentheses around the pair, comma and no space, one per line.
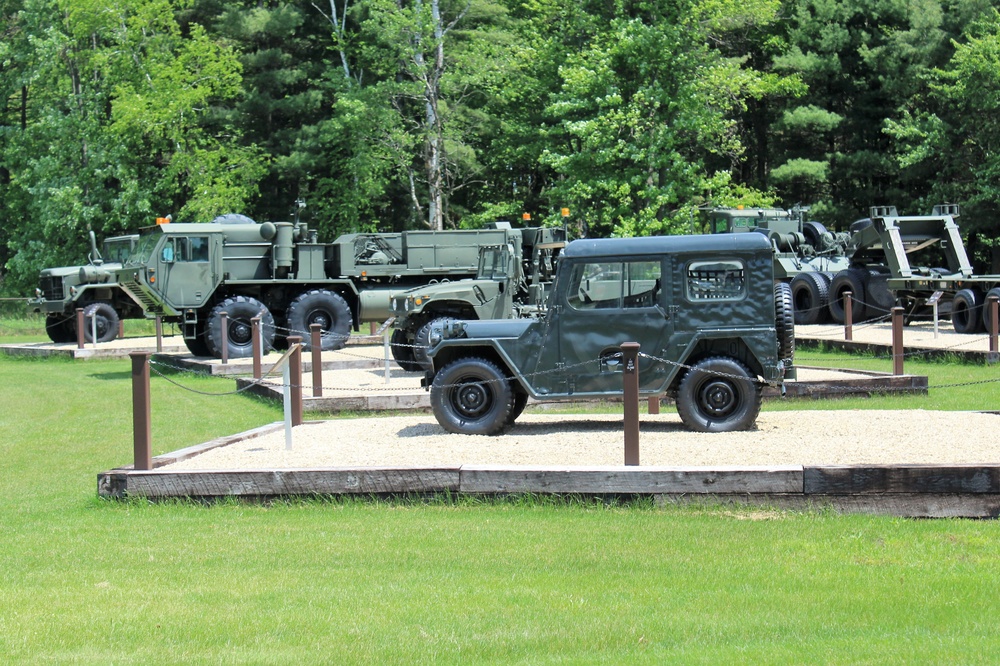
(471,396)
(718,395)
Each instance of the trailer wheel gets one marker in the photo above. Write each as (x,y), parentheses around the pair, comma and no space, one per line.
(326,308)
(240,310)
(471,396)
(59,328)
(401,347)
(995,291)
(784,323)
(810,298)
(849,280)
(967,311)
(718,394)
(105,317)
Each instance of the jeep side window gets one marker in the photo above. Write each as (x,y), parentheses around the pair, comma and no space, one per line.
(715,280)
(630,284)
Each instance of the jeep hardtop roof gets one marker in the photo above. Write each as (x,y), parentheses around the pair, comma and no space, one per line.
(608,247)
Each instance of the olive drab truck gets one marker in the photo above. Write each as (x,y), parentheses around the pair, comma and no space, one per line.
(511,281)
(93,288)
(192,274)
(712,326)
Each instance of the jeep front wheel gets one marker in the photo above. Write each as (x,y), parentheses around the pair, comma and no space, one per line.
(471,396)
(718,395)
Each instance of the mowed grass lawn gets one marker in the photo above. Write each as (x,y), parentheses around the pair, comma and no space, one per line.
(523,580)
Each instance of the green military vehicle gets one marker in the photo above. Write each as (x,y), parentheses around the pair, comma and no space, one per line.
(712,324)
(511,282)
(806,255)
(93,288)
(192,274)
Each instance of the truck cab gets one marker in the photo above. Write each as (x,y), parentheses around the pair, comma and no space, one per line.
(704,309)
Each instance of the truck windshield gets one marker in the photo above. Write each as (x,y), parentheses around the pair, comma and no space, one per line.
(494,263)
(144,249)
(117,250)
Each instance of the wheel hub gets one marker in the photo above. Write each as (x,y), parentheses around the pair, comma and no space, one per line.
(240,332)
(472,399)
(321,318)
(718,397)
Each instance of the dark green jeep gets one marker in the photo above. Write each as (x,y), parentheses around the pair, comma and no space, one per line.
(711,323)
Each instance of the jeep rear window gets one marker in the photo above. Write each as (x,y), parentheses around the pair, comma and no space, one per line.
(716,280)
(599,285)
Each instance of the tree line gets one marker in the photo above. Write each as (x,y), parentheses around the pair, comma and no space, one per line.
(383,115)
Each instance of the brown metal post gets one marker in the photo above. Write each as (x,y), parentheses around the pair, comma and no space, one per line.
(121,329)
(295,377)
(372,330)
(255,342)
(224,322)
(630,385)
(654,406)
(897,341)
(80,323)
(315,331)
(848,316)
(141,420)
(992,306)
(159,334)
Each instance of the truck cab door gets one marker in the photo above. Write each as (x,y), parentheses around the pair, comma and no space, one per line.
(189,269)
(601,305)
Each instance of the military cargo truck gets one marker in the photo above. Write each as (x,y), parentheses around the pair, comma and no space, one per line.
(192,274)
(705,309)
(806,255)
(92,287)
(511,282)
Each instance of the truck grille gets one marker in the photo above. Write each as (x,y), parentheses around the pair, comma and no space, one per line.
(52,288)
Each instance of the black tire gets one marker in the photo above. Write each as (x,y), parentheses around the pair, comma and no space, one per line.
(326,308)
(718,394)
(197,346)
(520,402)
(471,396)
(814,232)
(967,311)
(849,280)
(60,328)
(240,310)
(422,342)
(810,298)
(995,291)
(107,322)
(880,298)
(784,320)
(401,348)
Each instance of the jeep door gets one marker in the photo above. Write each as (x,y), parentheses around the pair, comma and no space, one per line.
(604,303)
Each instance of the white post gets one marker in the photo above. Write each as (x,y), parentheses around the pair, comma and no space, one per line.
(287,391)
(93,330)
(385,344)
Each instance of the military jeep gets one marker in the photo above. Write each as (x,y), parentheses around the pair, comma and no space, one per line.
(712,326)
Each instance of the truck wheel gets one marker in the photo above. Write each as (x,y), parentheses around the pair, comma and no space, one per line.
(107,322)
(849,280)
(240,310)
(718,394)
(197,345)
(326,308)
(995,291)
(810,298)
(401,348)
(59,328)
(967,311)
(784,323)
(471,396)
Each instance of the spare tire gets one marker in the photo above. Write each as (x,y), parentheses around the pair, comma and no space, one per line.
(848,280)
(810,298)
(967,311)
(784,320)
